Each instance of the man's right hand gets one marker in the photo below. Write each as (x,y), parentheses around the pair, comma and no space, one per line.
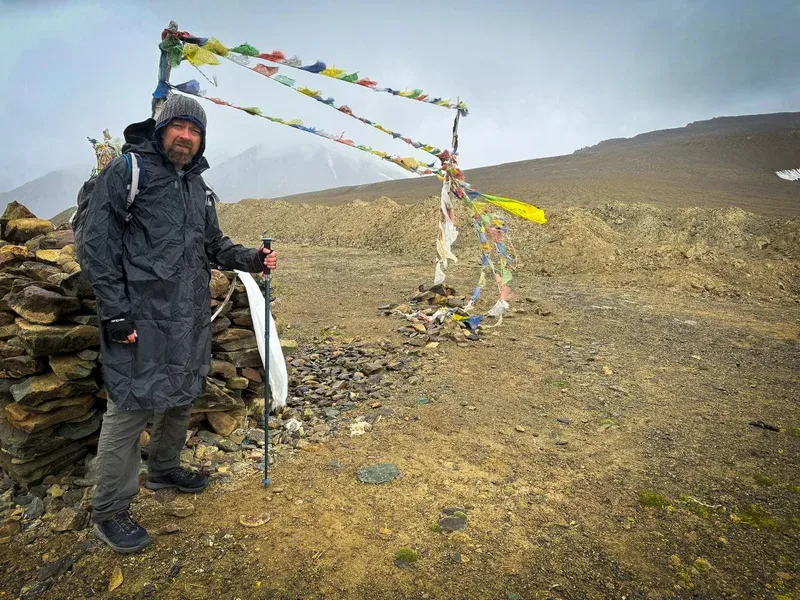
(121,330)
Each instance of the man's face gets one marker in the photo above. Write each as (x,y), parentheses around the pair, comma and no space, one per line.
(181,141)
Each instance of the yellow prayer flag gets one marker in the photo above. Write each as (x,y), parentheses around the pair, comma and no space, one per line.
(199,56)
(215,46)
(518,208)
(333,72)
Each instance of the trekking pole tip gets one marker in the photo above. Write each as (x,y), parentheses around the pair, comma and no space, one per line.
(265,482)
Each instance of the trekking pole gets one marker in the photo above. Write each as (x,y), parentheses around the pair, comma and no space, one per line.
(267,241)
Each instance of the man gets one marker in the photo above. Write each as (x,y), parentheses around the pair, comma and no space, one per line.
(150,268)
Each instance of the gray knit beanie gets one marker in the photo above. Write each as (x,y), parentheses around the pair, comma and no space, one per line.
(179,106)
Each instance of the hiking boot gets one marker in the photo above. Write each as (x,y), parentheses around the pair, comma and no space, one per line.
(122,533)
(183,479)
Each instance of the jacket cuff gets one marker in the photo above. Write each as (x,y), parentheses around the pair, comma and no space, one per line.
(258,262)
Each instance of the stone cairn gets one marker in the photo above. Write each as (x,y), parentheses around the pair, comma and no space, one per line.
(51,390)
(422,331)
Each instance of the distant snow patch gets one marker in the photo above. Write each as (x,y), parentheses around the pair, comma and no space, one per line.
(330,165)
(789,174)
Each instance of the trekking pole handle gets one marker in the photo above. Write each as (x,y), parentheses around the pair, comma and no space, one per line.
(267,242)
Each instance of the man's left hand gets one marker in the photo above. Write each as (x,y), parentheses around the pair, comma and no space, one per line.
(270,258)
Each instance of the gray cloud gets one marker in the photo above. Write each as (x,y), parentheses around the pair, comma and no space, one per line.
(540,79)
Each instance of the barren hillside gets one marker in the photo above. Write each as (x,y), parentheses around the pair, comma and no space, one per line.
(720,162)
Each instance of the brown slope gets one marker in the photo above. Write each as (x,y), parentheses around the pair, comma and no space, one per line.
(728,161)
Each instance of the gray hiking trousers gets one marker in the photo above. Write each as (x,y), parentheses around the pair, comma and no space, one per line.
(119,455)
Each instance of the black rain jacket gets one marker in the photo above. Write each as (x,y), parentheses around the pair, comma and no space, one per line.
(156,270)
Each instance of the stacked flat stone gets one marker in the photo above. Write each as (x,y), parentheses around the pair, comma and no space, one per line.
(236,379)
(50,389)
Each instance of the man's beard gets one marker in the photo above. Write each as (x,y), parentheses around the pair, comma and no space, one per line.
(180,156)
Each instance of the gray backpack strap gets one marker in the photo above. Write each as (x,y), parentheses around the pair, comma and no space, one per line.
(133,187)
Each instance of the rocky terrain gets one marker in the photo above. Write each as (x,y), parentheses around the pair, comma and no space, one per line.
(631,430)
(53,396)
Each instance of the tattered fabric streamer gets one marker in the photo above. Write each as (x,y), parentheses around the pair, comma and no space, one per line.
(480,221)
(447,234)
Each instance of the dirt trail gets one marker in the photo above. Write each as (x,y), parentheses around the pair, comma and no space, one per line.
(606,493)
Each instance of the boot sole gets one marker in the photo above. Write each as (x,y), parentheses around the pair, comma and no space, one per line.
(121,549)
(165,486)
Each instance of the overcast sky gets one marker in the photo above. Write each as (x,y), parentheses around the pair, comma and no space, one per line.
(540,78)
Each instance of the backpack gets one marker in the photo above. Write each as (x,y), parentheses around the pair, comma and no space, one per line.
(85,196)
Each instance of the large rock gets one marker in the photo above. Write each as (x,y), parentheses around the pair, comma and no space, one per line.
(224,423)
(35,243)
(237,383)
(252,375)
(5,389)
(288,345)
(46,442)
(68,252)
(67,258)
(56,404)
(23,445)
(77,284)
(234,339)
(57,240)
(219,284)
(241,317)
(45,340)
(13,256)
(7,281)
(240,300)
(21,230)
(88,355)
(40,388)
(70,266)
(84,320)
(13,347)
(241,358)
(215,398)
(221,323)
(26,420)
(80,427)
(39,271)
(23,365)
(42,306)
(32,471)
(8,332)
(57,278)
(220,367)
(51,257)
(70,518)
(72,366)
(380,473)
(14,211)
